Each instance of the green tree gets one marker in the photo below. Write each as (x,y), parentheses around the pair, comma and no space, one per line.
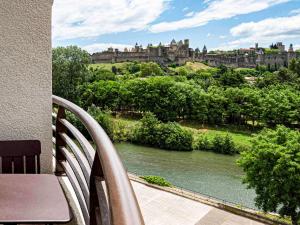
(69,69)
(272,168)
(232,78)
(216,105)
(103,94)
(133,67)
(251,107)
(101,74)
(235,102)
(150,69)
(146,133)
(294,66)
(280,105)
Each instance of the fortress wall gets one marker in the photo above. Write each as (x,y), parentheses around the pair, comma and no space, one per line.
(180,54)
(275,60)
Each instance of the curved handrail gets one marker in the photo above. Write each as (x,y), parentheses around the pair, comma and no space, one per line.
(124,209)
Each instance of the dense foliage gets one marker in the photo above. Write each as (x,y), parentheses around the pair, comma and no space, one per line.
(160,181)
(69,69)
(171,100)
(219,144)
(118,131)
(272,168)
(163,135)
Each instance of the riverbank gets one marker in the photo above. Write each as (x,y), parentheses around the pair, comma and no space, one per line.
(163,207)
(211,211)
(241,137)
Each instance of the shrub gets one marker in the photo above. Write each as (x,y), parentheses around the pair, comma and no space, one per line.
(223,144)
(182,72)
(170,136)
(146,133)
(202,143)
(121,131)
(150,69)
(133,67)
(239,147)
(157,180)
(101,74)
(219,144)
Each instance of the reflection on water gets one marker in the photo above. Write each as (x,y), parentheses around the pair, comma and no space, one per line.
(204,172)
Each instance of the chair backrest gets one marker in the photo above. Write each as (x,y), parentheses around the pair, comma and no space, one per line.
(20,156)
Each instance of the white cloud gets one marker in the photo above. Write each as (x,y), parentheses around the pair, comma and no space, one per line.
(98,47)
(189,14)
(266,31)
(216,10)
(208,35)
(222,36)
(206,1)
(295,11)
(185,9)
(91,18)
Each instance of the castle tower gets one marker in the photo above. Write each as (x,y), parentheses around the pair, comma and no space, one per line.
(291,54)
(291,49)
(187,42)
(280,46)
(204,51)
(136,47)
(256,46)
(260,57)
(173,42)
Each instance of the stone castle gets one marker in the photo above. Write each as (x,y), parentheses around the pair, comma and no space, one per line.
(180,52)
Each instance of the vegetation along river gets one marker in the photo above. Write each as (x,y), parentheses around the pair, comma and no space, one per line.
(203,172)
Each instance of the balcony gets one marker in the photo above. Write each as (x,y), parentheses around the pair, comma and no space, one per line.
(99,182)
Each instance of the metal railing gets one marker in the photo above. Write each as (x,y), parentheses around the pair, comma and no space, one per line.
(97,175)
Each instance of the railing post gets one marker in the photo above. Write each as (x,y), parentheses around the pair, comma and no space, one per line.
(60,128)
(99,210)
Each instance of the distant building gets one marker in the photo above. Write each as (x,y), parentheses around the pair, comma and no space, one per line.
(250,58)
(180,53)
(175,52)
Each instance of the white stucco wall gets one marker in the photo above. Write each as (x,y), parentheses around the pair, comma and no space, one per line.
(25,73)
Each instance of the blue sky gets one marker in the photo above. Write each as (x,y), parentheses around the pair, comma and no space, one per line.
(219,24)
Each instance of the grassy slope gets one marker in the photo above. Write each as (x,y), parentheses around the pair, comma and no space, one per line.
(239,136)
(192,67)
(189,66)
(108,66)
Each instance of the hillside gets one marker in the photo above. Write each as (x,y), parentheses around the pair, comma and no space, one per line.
(191,67)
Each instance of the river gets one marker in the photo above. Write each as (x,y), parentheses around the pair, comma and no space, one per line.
(203,172)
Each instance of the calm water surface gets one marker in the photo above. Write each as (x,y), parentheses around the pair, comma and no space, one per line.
(204,172)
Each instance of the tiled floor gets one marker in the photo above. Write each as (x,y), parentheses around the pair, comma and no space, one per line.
(164,208)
